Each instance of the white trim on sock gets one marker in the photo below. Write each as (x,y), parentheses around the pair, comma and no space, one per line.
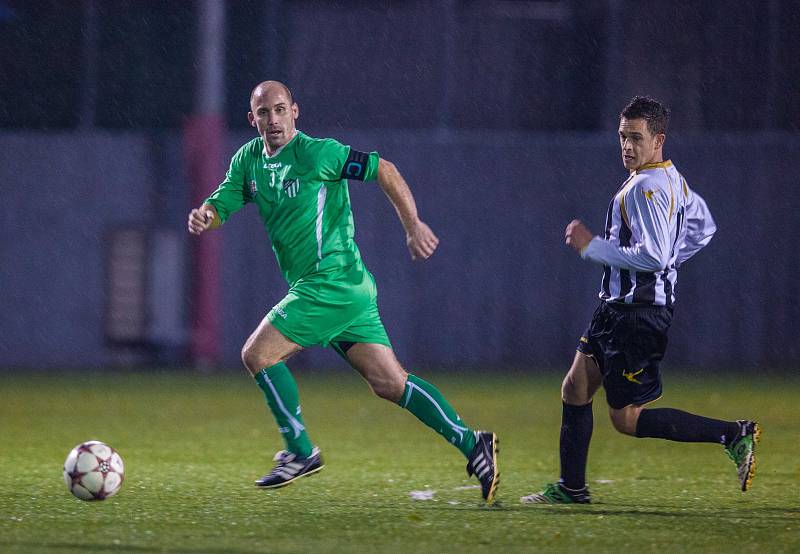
(456,428)
(297,427)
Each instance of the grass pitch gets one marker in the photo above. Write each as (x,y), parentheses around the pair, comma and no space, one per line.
(193,444)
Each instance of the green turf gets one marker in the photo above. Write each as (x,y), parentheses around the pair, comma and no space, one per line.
(193,444)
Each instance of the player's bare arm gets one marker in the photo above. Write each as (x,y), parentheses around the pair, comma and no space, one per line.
(421,241)
(577,235)
(203,218)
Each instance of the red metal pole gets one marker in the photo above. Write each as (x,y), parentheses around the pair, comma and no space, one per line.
(204,147)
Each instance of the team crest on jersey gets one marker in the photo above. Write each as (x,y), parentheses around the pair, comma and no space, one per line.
(291,187)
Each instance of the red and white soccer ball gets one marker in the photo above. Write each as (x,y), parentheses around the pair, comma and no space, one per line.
(94,471)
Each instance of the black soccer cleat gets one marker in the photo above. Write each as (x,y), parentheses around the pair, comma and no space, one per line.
(483,463)
(290,468)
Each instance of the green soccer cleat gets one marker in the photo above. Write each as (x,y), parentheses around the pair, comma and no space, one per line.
(742,450)
(556,493)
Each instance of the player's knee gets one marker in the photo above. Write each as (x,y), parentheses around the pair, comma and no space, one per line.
(254,360)
(571,393)
(387,391)
(387,388)
(625,419)
(621,425)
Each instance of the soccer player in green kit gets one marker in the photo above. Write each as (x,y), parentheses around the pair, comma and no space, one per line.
(299,185)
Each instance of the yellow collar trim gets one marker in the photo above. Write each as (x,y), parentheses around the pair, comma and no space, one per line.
(664,164)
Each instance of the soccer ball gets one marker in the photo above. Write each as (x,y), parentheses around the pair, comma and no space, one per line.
(93,471)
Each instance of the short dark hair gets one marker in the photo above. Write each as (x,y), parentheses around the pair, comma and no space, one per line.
(651,110)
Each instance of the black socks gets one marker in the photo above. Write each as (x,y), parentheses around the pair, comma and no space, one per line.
(675,425)
(576,432)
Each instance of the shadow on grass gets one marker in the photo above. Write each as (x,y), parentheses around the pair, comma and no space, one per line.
(31,546)
(770,513)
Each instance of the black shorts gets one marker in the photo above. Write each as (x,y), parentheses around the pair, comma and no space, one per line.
(628,341)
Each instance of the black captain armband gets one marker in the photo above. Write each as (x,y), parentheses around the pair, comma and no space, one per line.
(355,166)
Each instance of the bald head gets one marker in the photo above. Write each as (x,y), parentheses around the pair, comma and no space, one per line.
(273,112)
(268,86)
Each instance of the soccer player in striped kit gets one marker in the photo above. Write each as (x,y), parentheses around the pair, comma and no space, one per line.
(655,222)
(300,186)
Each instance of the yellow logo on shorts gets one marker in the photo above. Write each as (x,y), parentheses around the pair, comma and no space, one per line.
(631,376)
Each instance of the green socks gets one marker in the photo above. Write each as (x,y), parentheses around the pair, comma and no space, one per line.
(420,398)
(426,402)
(280,390)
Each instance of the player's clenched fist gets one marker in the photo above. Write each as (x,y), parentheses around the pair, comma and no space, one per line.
(200,220)
(577,235)
(421,241)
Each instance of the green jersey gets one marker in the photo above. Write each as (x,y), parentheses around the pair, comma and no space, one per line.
(302,197)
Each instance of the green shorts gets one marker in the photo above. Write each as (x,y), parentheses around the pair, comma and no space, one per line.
(331,307)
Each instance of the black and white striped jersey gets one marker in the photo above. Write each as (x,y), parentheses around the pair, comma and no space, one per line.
(655,222)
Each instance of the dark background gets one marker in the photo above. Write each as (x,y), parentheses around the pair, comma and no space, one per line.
(501,115)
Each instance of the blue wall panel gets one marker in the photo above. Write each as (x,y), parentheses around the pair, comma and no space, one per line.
(501,291)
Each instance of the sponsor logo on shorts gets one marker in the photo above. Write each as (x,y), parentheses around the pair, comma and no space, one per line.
(631,375)
(278,310)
